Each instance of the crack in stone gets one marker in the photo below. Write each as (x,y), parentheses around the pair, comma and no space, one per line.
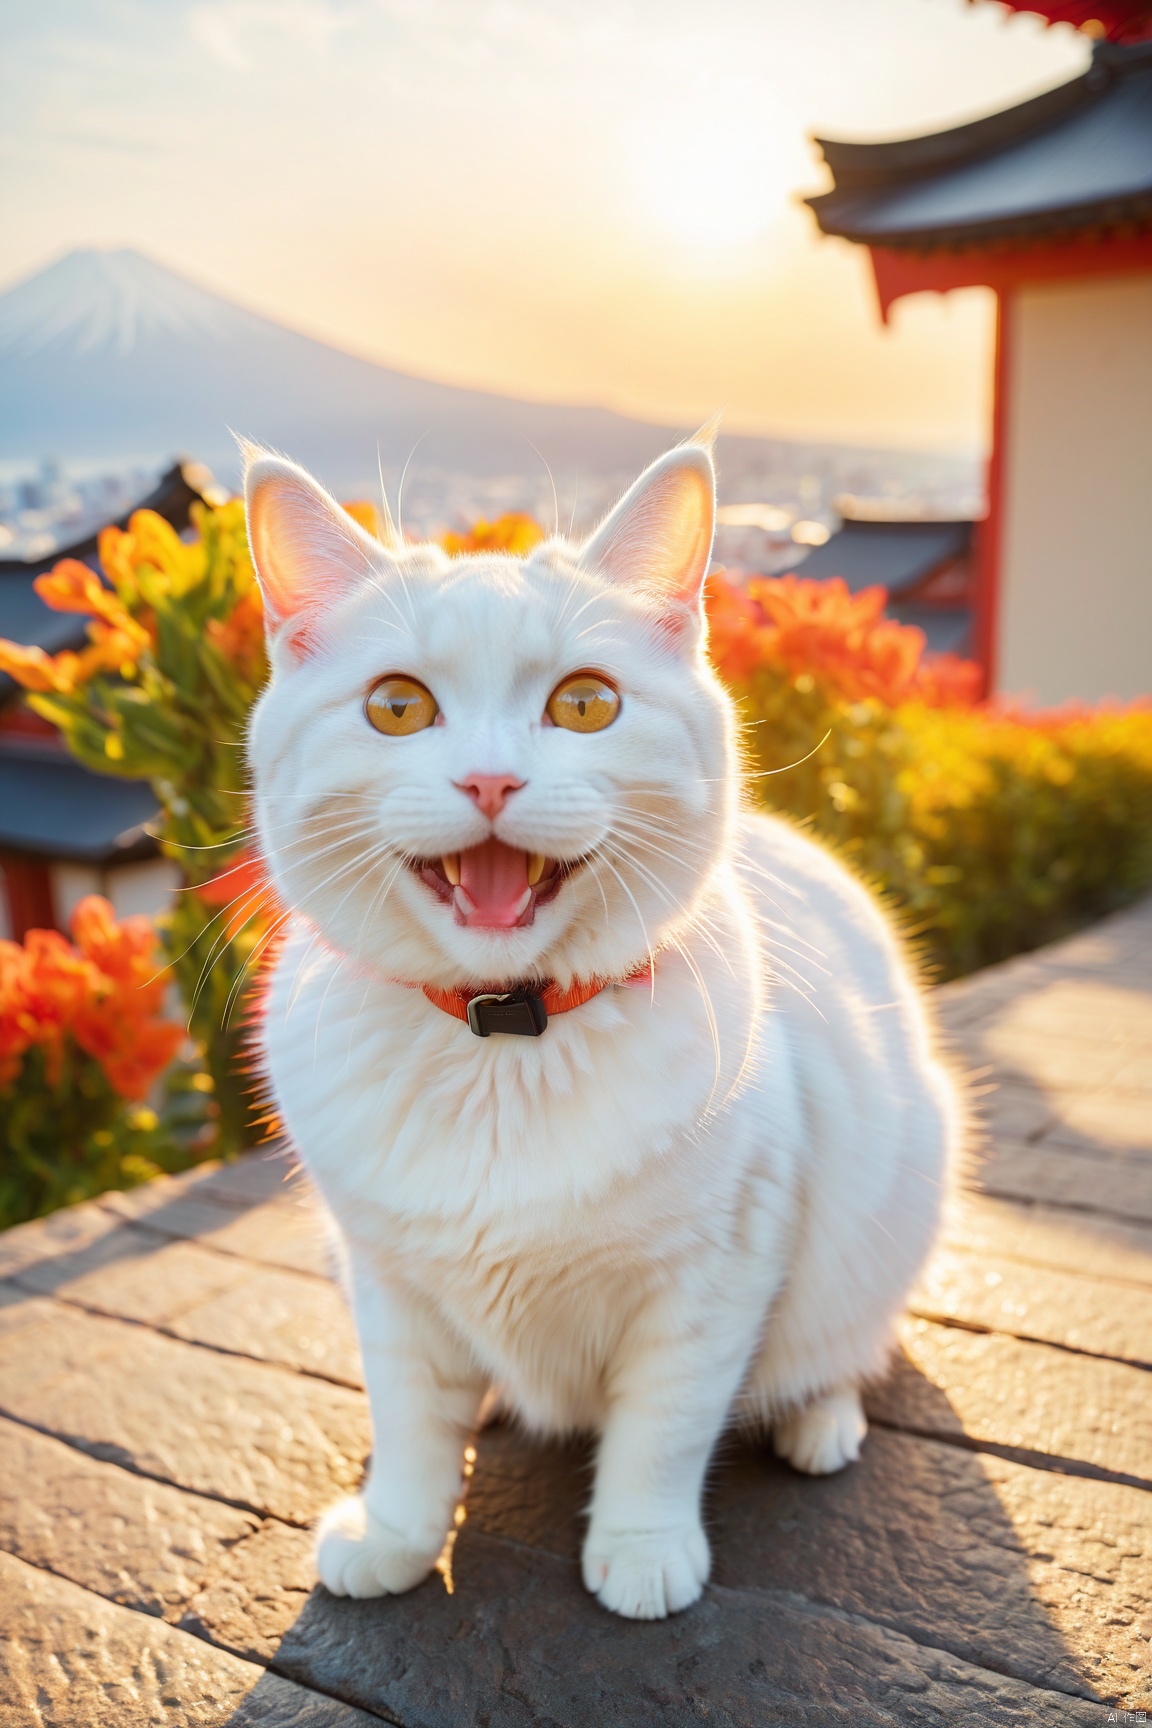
(1053,1462)
(955,1324)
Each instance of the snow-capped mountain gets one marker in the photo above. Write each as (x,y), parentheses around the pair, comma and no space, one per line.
(109,354)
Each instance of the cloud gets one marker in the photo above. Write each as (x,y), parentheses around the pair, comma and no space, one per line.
(228,29)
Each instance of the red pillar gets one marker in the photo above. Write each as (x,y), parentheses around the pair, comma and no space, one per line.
(986,630)
(28,891)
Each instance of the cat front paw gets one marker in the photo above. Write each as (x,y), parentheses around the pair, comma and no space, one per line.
(823,1437)
(646,1574)
(356,1555)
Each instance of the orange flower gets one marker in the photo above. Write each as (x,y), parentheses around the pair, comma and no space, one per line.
(17,1027)
(125,951)
(115,549)
(71,587)
(132,1070)
(843,640)
(153,540)
(513,533)
(240,637)
(738,637)
(116,639)
(363,511)
(102,994)
(243,889)
(31,668)
(947,681)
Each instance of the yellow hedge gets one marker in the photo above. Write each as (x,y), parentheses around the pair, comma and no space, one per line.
(992,830)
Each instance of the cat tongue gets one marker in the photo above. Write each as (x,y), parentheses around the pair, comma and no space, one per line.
(494,879)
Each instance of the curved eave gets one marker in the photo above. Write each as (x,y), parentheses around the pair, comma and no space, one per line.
(1094,217)
(1077,159)
(856,167)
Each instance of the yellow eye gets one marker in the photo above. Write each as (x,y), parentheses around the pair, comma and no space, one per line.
(583,703)
(399,706)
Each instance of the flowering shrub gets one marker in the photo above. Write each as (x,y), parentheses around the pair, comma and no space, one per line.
(840,640)
(82,1040)
(513,533)
(174,663)
(990,829)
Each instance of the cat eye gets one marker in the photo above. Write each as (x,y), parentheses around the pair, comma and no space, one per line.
(399,706)
(583,703)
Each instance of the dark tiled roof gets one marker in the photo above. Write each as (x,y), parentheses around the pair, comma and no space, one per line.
(52,807)
(895,554)
(24,618)
(948,632)
(1076,158)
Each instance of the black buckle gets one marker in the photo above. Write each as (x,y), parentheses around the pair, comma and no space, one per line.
(519,1012)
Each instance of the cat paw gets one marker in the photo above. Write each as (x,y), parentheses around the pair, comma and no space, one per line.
(356,1555)
(646,1575)
(824,1436)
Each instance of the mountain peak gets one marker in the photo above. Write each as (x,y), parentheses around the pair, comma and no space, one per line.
(112,300)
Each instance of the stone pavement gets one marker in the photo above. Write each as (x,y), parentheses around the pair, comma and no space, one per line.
(180,1396)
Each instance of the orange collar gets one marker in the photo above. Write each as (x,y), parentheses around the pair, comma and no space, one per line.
(524,1010)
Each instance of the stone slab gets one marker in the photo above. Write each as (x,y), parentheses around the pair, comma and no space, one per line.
(1035,1574)
(1011,1568)
(18,1309)
(1057,1065)
(519,1643)
(1087,1012)
(271,1173)
(63,1232)
(135,1274)
(1109,1120)
(71,1660)
(1031,1398)
(1081,1313)
(1047,1170)
(1095,1244)
(1016,1109)
(1041,1576)
(257,1593)
(257,1436)
(1027,1572)
(138,1542)
(279,1316)
(276,1233)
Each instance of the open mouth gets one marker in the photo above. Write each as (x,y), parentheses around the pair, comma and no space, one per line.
(493,886)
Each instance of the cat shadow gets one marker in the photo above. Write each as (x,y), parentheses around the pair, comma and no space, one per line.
(916,1538)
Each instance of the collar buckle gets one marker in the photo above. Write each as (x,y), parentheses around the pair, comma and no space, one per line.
(520,1013)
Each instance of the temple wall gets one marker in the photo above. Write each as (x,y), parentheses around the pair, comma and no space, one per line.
(1075,611)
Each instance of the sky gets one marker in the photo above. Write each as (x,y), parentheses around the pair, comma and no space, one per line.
(567,200)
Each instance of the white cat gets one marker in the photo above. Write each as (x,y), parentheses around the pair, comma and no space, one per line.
(700,1195)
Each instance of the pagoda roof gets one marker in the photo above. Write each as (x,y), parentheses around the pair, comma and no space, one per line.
(51,806)
(898,555)
(1073,160)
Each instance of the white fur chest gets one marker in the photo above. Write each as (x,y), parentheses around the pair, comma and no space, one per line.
(509,1178)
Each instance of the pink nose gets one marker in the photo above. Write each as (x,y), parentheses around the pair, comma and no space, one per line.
(489,792)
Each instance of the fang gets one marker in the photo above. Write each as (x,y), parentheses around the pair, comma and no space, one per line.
(536,863)
(450,864)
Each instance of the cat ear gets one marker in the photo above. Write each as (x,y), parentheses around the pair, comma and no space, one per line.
(308,552)
(658,539)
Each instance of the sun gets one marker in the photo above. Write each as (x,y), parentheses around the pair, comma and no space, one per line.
(715,188)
